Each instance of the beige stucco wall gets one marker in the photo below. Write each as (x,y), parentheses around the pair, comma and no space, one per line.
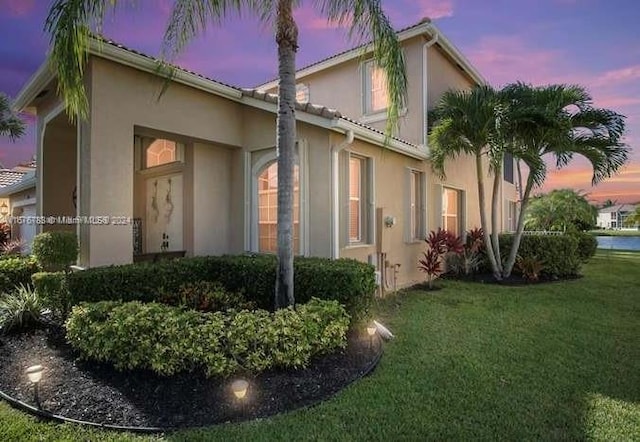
(121,99)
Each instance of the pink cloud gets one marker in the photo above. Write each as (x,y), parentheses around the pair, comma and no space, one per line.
(309,18)
(435,9)
(20,7)
(616,102)
(630,73)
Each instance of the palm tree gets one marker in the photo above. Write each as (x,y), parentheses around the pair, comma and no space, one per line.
(464,123)
(633,219)
(563,210)
(558,120)
(10,124)
(69,23)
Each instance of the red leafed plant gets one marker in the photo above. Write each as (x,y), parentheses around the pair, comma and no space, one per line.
(439,243)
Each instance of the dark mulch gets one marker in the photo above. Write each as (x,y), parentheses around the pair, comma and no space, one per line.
(96,392)
(513,280)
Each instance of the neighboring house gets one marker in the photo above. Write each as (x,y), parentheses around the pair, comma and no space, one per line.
(21,207)
(613,217)
(195,172)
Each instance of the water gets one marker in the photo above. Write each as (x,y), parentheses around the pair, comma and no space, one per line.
(619,242)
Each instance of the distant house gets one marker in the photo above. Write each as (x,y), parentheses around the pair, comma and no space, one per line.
(18,202)
(613,217)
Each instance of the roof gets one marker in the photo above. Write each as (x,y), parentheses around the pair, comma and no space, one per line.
(310,113)
(618,208)
(423,27)
(9,177)
(26,181)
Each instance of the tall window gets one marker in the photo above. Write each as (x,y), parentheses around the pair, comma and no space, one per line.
(356,209)
(452,210)
(512,216)
(508,168)
(416,211)
(375,88)
(268,209)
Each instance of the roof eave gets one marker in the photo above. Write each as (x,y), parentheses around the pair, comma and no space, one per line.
(426,28)
(20,186)
(33,87)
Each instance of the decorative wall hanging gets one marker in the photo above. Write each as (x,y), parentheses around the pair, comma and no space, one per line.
(154,202)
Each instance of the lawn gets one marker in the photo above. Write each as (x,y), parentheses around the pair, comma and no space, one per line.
(471,361)
(606,232)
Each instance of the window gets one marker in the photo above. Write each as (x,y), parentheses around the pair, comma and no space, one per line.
(356,209)
(452,210)
(376,96)
(160,151)
(302,93)
(416,206)
(508,168)
(512,216)
(268,209)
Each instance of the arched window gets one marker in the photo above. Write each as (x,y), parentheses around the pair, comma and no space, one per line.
(161,151)
(268,209)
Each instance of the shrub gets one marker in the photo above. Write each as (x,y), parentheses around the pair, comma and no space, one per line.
(52,289)
(471,255)
(350,282)
(55,250)
(19,309)
(530,267)
(440,243)
(559,253)
(205,296)
(16,271)
(168,339)
(587,245)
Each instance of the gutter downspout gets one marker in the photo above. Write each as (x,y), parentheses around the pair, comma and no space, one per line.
(425,75)
(335,194)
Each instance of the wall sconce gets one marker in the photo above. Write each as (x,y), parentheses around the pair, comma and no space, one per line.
(389,221)
(34,373)
(4,210)
(239,388)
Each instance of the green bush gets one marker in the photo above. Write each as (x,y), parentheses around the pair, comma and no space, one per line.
(350,282)
(16,271)
(55,250)
(52,289)
(587,245)
(168,339)
(19,309)
(559,253)
(205,296)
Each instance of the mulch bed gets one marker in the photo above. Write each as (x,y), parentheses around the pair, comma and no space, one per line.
(96,392)
(513,280)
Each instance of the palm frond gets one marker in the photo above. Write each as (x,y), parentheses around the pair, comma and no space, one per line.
(10,124)
(367,20)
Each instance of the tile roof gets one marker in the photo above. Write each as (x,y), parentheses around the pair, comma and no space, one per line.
(9,177)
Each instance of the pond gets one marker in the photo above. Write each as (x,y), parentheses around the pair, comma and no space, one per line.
(619,242)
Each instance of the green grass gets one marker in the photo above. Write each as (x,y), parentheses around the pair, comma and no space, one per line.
(471,361)
(615,232)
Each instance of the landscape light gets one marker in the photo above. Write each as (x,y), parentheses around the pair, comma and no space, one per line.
(239,388)
(34,373)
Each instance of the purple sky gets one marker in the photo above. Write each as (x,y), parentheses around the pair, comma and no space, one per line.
(595,43)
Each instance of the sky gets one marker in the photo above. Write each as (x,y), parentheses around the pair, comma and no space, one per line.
(594,43)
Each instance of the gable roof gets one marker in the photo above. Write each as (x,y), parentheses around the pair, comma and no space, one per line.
(618,208)
(423,27)
(309,113)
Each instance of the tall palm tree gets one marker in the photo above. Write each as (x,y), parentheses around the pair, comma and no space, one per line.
(10,124)
(70,24)
(464,123)
(558,120)
(633,219)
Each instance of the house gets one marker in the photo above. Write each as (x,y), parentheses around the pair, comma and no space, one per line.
(613,217)
(20,203)
(195,172)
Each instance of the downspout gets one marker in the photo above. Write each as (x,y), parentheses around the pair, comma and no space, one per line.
(425,75)
(335,193)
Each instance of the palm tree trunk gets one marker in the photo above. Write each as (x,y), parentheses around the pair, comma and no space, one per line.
(483,219)
(508,268)
(495,240)
(287,39)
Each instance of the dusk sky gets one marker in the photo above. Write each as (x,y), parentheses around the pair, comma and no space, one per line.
(595,43)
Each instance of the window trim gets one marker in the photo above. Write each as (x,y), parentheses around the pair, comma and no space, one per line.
(367,203)
(141,156)
(372,116)
(421,209)
(462,207)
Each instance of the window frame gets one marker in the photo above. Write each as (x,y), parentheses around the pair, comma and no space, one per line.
(416,207)
(460,212)
(366,203)
(368,67)
(145,142)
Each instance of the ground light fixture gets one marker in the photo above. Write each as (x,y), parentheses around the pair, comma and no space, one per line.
(239,388)
(34,373)
(371,331)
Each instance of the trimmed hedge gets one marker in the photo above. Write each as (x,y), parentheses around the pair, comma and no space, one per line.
(350,282)
(167,340)
(587,245)
(52,289)
(15,272)
(55,250)
(559,253)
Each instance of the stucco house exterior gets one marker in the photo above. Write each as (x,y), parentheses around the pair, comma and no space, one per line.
(613,217)
(195,171)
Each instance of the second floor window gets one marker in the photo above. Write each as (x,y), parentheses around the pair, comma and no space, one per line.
(376,96)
